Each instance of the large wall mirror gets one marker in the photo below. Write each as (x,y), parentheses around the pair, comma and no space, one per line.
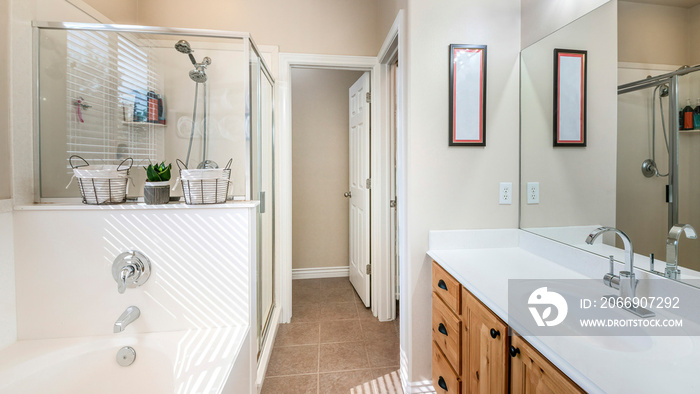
(620,178)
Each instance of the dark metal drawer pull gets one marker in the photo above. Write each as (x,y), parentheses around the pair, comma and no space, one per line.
(514,351)
(495,333)
(442,384)
(442,329)
(442,285)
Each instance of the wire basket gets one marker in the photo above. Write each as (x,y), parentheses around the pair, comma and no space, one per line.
(204,186)
(102,184)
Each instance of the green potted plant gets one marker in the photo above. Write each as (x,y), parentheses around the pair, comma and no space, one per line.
(157,188)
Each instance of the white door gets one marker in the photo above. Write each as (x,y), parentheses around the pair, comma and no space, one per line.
(359,188)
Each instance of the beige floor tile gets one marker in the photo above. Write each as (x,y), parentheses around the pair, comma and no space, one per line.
(306,284)
(336,283)
(342,356)
(386,381)
(306,296)
(293,360)
(383,354)
(365,313)
(376,331)
(341,331)
(337,311)
(295,384)
(297,334)
(337,294)
(305,312)
(343,382)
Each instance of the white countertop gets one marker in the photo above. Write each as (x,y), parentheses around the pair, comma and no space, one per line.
(132,206)
(614,364)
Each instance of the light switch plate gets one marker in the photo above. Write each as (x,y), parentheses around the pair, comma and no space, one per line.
(505,193)
(533,192)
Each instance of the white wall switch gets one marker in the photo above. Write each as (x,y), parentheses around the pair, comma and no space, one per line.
(533,192)
(505,193)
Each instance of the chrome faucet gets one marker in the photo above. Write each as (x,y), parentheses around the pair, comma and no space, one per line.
(674,235)
(130,314)
(625,281)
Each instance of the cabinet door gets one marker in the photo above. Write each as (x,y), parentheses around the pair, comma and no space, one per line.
(488,350)
(530,372)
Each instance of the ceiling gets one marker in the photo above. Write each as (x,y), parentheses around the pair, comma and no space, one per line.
(672,3)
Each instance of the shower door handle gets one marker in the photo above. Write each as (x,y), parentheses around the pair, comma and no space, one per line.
(262,202)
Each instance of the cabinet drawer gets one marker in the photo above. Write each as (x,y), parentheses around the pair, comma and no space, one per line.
(447,332)
(445,380)
(447,288)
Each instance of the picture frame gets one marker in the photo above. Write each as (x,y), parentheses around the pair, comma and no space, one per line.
(569,112)
(467,95)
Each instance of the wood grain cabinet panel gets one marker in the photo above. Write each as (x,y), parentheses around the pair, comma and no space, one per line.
(447,332)
(447,287)
(532,373)
(487,370)
(445,379)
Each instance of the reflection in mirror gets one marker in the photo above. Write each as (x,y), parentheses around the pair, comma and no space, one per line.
(620,179)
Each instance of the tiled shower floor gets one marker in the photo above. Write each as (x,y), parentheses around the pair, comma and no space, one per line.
(333,344)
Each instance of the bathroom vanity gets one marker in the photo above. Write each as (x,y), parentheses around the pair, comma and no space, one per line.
(481,346)
(472,348)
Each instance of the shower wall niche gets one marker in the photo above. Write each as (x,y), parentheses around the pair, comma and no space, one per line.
(106,95)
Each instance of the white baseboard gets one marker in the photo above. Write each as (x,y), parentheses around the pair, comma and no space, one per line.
(267,348)
(324,272)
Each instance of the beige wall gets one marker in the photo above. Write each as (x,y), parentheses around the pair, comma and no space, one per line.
(5,169)
(304,26)
(577,184)
(691,31)
(653,34)
(543,17)
(122,11)
(386,13)
(320,167)
(455,187)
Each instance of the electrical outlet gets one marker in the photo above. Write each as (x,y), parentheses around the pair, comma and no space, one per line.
(533,192)
(505,193)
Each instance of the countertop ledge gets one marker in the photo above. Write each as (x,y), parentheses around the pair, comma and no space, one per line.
(485,272)
(132,206)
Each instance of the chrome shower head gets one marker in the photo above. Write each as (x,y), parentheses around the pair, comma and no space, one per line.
(198,75)
(183,46)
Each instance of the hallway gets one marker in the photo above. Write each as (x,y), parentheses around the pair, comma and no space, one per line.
(333,344)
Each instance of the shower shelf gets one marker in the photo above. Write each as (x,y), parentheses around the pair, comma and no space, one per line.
(693,131)
(142,124)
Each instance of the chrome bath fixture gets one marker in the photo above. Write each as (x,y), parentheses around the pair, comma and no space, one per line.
(131,269)
(674,236)
(127,317)
(198,75)
(625,281)
(126,356)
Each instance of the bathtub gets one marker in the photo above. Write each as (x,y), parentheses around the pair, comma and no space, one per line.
(192,361)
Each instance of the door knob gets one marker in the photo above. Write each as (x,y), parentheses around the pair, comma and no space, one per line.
(347,194)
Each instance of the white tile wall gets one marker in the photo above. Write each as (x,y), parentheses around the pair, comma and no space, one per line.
(65,287)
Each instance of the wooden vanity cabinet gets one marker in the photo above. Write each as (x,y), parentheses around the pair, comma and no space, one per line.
(474,353)
(530,372)
(485,368)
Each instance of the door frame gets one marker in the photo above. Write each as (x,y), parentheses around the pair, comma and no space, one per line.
(379,173)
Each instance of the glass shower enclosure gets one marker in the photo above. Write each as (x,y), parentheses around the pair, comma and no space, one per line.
(204,97)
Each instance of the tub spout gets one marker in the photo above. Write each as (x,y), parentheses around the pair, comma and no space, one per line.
(130,314)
